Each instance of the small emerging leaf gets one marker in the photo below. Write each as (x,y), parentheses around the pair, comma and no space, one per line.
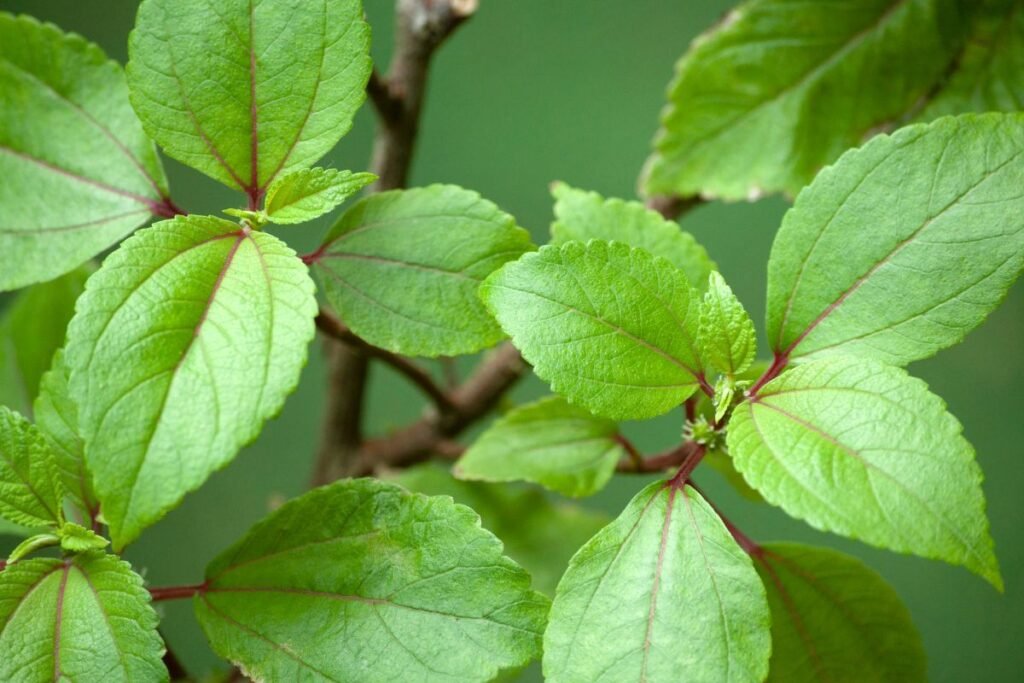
(188,338)
(86,620)
(727,335)
(861,449)
(583,216)
(552,443)
(30,490)
(402,268)
(610,327)
(661,594)
(364,567)
(32,544)
(77,539)
(834,619)
(303,195)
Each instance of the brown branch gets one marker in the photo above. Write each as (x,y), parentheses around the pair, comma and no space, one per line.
(672,207)
(657,463)
(472,400)
(422,26)
(329,325)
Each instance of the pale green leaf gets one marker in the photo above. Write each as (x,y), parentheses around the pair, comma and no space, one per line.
(32,544)
(57,419)
(612,328)
(782,87)
(243,90)
(30,490)
(903,246)
(188,338)
(86,620)
(662,594)
(834,619)
(75,538)
(402,268)
(861,449)
(550,442)
(538,533)
(301,196)
(78,172)
(582,216)
(727,335)
(362,581)
(990,72)
(32,328)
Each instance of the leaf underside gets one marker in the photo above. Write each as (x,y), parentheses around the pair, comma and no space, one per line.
(78,172)
(30,489)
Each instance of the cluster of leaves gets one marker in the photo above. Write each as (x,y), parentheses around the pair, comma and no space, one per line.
(194,330)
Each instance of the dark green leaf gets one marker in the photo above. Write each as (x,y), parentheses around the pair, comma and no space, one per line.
(862,449)
(538,533)
(834,619)
(78,172)
(245,91)
(612,328)
(362,581)
(550,442)
(86,620)
(662,594)
(402,268)
(780,88)
(31,330)
(188,338)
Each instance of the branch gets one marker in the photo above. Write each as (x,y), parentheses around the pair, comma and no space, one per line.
(657,463)
(422,26)
(471,400)
(672,207)
(176,592)
(329,325)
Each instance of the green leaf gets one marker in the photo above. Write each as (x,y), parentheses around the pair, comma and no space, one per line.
(727,335)
(660,594)
(781,88)
(834,619)
(990,71)
(402,268)
(861,449)
(583,216)
(78,172)
(31,331)
(57,419)
(86,620)
(30,488)
(611,328)
(552,443)
(75,538)
(538,533)
(362,581)
(188,338)
(903,246)
(304,195)
(32,544)
(245,91)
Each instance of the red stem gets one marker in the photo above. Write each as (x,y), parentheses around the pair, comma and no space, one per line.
(778,365)
(176,592)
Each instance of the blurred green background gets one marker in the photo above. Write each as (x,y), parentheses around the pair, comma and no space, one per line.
(528,92)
